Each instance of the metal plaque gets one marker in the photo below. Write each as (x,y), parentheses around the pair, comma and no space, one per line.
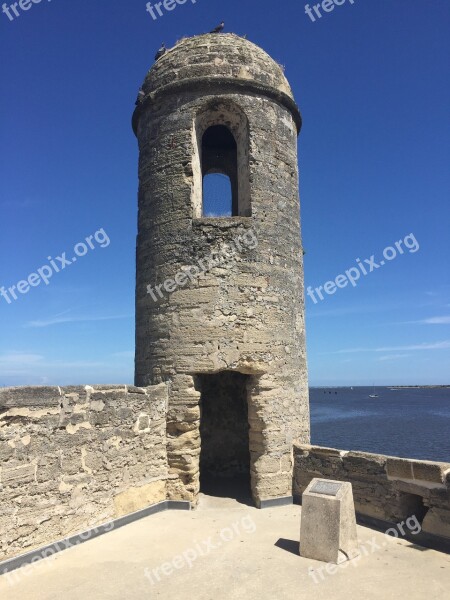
(329,488)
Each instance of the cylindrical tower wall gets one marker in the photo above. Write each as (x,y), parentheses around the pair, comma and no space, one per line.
(226,293)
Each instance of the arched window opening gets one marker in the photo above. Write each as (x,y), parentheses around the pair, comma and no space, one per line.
(217,196)
(219,165)
(221,180)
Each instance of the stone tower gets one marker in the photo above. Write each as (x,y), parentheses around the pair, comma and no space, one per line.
(219,300)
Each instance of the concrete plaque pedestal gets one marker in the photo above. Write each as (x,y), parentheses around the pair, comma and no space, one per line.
(328,522)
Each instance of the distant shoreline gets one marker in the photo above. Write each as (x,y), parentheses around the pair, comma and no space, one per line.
(391,387)
(410,387)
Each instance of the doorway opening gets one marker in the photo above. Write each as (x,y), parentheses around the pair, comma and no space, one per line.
(224,432)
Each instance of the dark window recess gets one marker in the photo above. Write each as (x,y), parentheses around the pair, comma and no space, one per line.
(219,172)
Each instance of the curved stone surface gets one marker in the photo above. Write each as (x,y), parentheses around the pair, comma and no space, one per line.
(222,295)
(211,55)
(221,63)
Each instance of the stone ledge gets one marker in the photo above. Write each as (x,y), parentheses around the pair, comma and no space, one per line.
(223,222)
(307,448)
(430,471)
(417,471)
(38,397)
(278,501)
(404,469)
(30,396)
(384,487)
(399,468)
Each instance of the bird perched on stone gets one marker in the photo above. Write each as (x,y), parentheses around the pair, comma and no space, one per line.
(161,52)
(219,28)
(140,96)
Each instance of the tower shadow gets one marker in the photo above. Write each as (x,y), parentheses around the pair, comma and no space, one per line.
(234,488)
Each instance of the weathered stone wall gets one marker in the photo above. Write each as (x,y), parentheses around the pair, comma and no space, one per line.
(75,457)
(384,487)
(245,314)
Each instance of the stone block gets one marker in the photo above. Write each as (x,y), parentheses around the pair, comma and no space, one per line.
(75,391)
(49,469)
(124,413)
(429,471)
(266,486)
(328,522)
(364,464)
(132,389)
(158,396)
(437,522)
(70,462)
(39,396)
(322,450)
(267,464)
(185,441)
(112,387)
(6,452)
(16,475)
(399,468)
(137,498)
(109,397)
(418,488)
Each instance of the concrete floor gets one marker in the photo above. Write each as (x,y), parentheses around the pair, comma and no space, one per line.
(235,551)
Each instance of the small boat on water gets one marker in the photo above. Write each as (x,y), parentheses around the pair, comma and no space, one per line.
(373,395)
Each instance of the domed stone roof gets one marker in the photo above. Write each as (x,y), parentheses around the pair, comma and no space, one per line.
(216,56)
(216,64)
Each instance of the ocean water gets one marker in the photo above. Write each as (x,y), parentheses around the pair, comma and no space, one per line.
(410,423)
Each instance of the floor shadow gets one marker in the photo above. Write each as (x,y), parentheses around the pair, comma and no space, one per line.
(291,546)
(413,546)
(236,488)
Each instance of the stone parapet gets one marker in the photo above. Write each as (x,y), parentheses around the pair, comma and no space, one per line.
(384,487)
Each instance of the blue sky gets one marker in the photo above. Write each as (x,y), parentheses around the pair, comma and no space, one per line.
(373,87)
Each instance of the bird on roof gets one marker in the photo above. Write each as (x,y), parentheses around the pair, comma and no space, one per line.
(140,97)
(161,52)
(219,28)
